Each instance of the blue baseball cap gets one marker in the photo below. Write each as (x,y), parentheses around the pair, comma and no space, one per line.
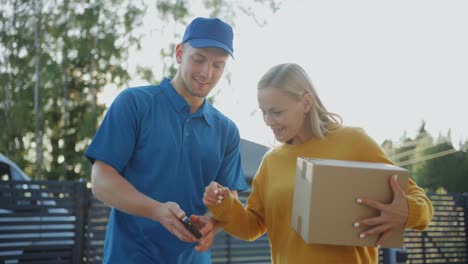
(209,32)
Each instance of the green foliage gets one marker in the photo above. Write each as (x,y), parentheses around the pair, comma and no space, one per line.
(404,152)
(447,171)
(434,164)
(179,12)
(83,47)
(173,9)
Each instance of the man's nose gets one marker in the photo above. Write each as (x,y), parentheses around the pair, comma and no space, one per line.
(207,70)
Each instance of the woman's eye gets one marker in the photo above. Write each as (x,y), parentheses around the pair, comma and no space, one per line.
(272,113)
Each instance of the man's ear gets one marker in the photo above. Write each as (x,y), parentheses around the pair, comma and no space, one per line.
(179,51)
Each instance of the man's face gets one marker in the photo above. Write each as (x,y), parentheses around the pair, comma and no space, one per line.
(200,69)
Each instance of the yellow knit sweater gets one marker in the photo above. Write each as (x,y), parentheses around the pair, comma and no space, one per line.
(270,203)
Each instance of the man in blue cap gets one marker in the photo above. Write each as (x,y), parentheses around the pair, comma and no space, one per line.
(156,150)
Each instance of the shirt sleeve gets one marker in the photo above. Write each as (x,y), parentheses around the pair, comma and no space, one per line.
(231,174)
(116,137)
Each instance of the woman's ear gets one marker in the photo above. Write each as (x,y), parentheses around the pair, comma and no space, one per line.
(307,102)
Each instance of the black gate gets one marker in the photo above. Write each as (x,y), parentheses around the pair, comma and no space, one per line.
(61,222)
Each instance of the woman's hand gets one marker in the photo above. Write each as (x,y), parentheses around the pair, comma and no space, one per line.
(392,216)
(214,194)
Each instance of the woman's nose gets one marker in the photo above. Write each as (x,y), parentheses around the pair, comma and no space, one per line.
(267,119)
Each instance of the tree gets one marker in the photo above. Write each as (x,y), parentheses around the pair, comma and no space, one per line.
(433,163)
(37,80)
(422,149)
(179,13)
(402,153)
(81,48)
(448,169)
(16,75)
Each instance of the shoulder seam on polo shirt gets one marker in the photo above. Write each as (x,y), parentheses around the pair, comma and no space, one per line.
(216,114)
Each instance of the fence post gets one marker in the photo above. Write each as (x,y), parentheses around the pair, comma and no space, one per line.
(423,237)
(465,198)
(395,255)
(229,245)
(81,214)
(386,255)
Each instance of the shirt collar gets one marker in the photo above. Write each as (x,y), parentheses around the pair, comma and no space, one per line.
(180,105)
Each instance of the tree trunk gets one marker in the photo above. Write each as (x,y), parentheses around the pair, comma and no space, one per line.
(65,113)
(37,113)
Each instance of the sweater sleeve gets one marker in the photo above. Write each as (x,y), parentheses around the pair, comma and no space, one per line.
(247,223)
(420,206)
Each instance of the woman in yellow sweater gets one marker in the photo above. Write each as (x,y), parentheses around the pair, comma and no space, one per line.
(298,119)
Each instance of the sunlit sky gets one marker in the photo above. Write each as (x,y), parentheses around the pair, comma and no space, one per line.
(382,65)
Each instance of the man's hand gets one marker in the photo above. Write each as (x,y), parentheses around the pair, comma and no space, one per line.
(169,215)
(392,216)
(206,225)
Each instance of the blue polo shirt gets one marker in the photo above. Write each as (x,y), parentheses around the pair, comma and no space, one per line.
(149,136)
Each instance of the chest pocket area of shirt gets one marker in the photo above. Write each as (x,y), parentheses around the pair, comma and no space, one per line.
(157,142)
(206,154)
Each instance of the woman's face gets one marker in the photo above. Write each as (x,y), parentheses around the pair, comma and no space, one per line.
(286,116)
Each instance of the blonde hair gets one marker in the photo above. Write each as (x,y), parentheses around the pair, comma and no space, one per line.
(294,81)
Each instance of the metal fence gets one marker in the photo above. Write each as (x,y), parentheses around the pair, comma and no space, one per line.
(445,241)
(42,222)
(61,222)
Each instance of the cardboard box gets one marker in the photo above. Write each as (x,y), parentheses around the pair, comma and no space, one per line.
(325,207)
